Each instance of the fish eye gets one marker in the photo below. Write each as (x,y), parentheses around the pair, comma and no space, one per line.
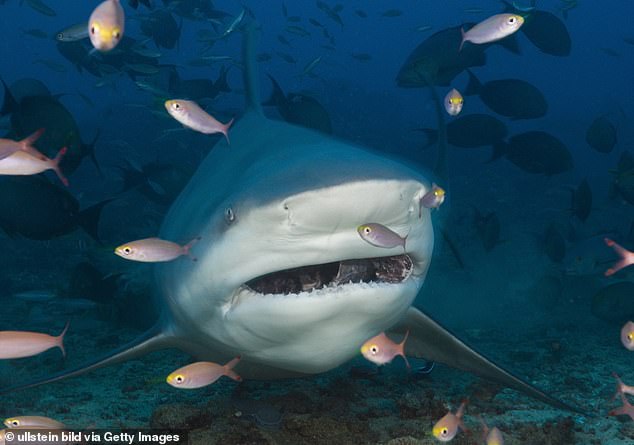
(179,379)
(511,20)
(127,250)
(367,230)
(60,36)
(374,349)
(229,215)
(630,336)
(15,422)
(176,106)
(116,34)
(94,29)
(444,431)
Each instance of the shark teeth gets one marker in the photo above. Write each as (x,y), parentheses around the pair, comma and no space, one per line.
(313,278)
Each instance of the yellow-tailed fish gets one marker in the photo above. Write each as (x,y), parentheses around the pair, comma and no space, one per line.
(19,344)
(380,236)
(381,350)
(492,29)
(154,250)
(201,374)
(432,199)
(446,428)
(9,146)
(192,116)
(106,25)
(627,336)
(33,422)
(24,163)
(454,102)
(627,257)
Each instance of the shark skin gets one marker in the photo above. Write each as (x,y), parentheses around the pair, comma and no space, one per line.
(282,197)
(297,198)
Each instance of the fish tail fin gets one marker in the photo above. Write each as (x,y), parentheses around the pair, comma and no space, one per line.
(10,104)
(277,95)
(27,144)
(461,408)
(225,130)
(474,86)
(619,386)
(627,257)
(60,338)
(55,165)
(88,219)
(32,138)
(151,340)
(625,410)
(462,34)
(229,372)
(401,348)
(187,248)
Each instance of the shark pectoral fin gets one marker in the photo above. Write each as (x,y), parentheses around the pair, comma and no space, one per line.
(429,340)
(152,340)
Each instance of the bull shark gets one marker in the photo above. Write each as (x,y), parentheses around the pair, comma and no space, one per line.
(283,279)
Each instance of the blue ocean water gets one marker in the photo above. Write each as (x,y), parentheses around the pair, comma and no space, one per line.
(519,262)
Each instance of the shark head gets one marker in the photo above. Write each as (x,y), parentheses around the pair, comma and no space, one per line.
(282,277)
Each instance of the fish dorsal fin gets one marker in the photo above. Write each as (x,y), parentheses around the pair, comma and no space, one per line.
(251,69)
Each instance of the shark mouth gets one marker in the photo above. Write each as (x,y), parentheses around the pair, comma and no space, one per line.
(391,270)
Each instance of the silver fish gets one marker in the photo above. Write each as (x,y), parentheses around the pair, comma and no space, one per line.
(380,236)
(432,199)
(454,102)
(492,29)
(234,25)
(106,25)
(192,116)
(73,33)
(154,250)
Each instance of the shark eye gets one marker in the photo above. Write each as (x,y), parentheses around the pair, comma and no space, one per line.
(229,215)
